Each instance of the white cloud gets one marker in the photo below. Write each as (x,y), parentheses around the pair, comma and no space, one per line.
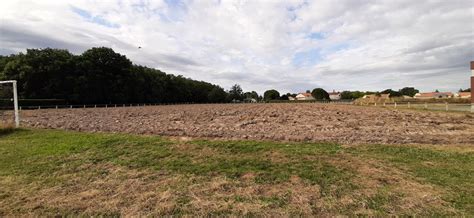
(364,45)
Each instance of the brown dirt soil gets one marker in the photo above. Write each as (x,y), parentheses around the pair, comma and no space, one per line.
(345,124)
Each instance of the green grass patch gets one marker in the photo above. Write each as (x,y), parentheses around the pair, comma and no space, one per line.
(42,152)
(452,170)
(45,156)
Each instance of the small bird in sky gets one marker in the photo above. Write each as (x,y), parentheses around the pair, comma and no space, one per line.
(139,47)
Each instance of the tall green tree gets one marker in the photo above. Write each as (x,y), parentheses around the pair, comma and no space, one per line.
(391,92)
(271,94)
(103,76)
(320,94)
(42,73)
(217,95)
(410,91)
(236,93)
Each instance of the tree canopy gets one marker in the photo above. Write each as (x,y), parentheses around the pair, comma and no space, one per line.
(391,92)
(98,76)
(236,93)
(320,94)
(271,94)
(410,91)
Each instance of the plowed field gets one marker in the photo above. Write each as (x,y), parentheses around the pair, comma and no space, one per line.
(345,124)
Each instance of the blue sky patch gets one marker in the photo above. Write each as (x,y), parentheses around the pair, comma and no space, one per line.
(177,9)
(86,15)
(316,35)
(306,58)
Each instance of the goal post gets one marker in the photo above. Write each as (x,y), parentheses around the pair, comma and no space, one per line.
(15,101)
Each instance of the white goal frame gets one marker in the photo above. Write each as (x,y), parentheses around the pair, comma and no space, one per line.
(15,101)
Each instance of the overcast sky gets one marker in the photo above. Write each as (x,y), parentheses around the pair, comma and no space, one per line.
(287,45)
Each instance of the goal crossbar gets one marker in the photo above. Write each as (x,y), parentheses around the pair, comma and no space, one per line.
(15,101)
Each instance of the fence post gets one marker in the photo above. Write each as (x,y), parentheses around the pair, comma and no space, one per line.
(426,105)
(95,106)
(56,107)
(384,104)
(39,107)
(408,104)
(84,106)
(115,105)
(447,108)
(375,104)
(395,105)
(70,106)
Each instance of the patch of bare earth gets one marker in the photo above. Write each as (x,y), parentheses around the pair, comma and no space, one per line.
(288,122)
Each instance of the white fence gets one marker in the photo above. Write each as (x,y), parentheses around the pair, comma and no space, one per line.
(425,106)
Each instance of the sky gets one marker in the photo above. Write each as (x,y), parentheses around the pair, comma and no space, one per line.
(291,45)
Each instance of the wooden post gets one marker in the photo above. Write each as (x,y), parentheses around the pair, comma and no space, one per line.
(447,108)
(395,105)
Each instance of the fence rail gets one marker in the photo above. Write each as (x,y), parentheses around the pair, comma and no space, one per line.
(404,105)
(39,107)
(424,106)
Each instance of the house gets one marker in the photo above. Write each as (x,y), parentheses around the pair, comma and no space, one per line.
(463,95)
(291,98)
(335,95)
(304,96)
(431,95)
(250,100)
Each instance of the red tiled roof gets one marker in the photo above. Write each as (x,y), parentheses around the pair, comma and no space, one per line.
(433,94)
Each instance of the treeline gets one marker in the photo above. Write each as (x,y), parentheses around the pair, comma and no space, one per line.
(321,94)
(99,76)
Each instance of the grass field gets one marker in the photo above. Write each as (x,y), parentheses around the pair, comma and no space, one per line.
(51,172)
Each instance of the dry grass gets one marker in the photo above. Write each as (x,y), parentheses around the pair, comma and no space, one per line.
(46,172)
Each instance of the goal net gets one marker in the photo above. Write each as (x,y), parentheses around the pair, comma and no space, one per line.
(9,115)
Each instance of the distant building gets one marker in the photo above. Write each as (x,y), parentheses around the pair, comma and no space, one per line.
(335,95)
(291,98)
(462,95)
(304,96)
(431,95)
(250,100)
